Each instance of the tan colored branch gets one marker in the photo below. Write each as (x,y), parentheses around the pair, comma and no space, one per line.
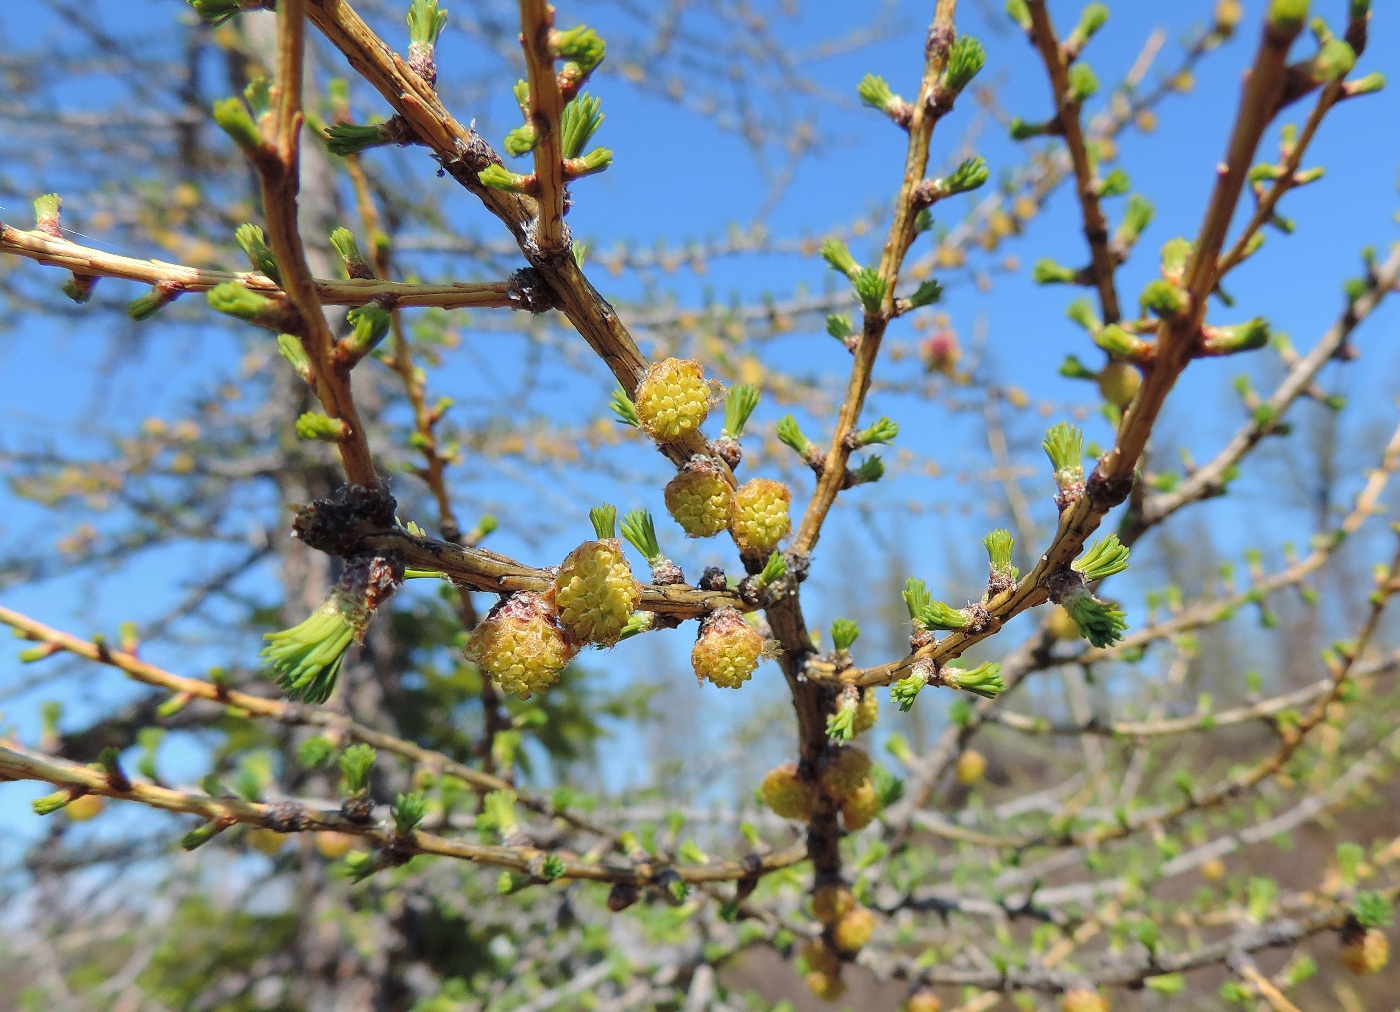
(479,569)
(1264,709)
(546,108)
(21,764)
(58,252)
(1275,998)
(952,645)
(1292,737)
(275,709)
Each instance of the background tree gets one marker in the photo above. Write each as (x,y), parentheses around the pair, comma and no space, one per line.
(1176,793)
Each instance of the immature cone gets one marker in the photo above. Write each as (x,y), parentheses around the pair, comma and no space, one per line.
(845,772)
(727,650)
(1119,382)
(699,498)
(333,845)
(520,645)
(595,593)
(853,931)
(672,399)
(1062,625)
(266,841)
(89,806)
(786,793)
(1082,1000)
(821,959)
(830,903)
(826,986)
(1364,950)
(859,810)
(923,1001)
(759,518)
(971,765)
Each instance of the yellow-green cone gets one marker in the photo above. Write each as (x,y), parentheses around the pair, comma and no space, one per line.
(759,518)
(1119,383)
(853,931)
(821,959)
(970,767)
(845,771)
(830,903)
(1081,999)
(861,806)
(699,498)
(520,645)
(786,793)
(1364,951)
(923,1000)
(673,399)
(595,593)
(727,650)
(825,986)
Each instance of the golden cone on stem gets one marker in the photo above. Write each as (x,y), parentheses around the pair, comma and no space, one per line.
(673,399)
(700,498)
(759,518)
(595,593)
(520,645)
(727,649)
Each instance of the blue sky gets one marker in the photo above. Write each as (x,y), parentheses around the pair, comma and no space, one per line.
(676,178)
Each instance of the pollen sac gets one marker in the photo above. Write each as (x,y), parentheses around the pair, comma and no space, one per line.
(700,498)
(595,592)
(520,645)
(759,518)
(673,399)
(728,649)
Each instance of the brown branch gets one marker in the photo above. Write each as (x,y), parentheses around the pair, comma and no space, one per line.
(1210,478)
(1067,112)
(1257,108)
(1112,478)
(546,108)
(463,153)
(280,178)
(1287,180)
(432,473)
(280,710)
(21,764)
(924,117)
(60,252)
(479,569)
